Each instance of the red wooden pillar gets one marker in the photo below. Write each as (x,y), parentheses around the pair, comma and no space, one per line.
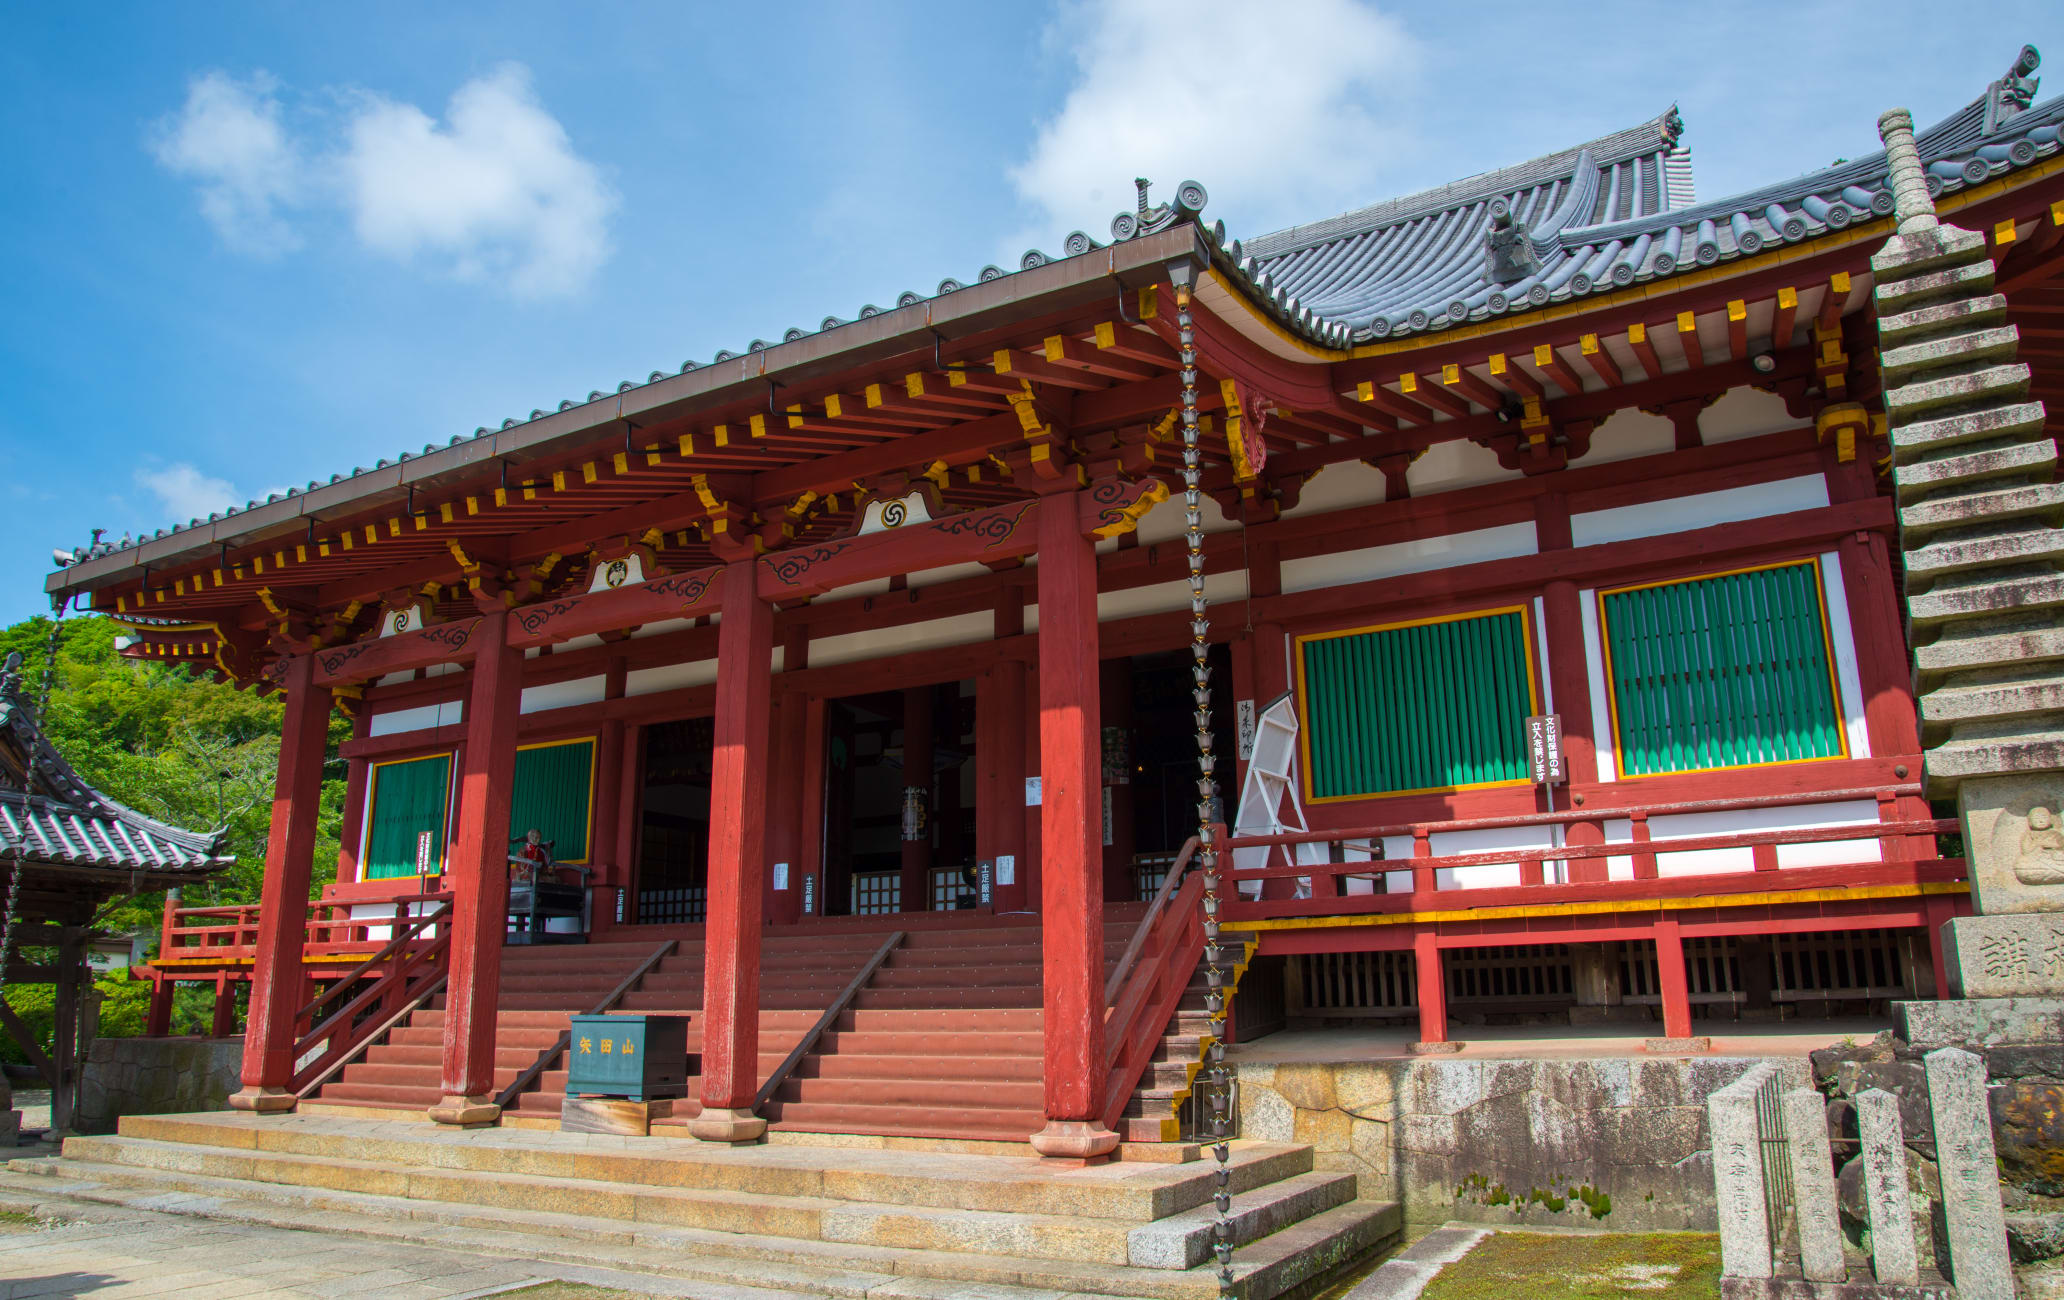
(1000,781)
(629,840)
(157,1022)
(605,854)
(352,828)
(917,787)
(478,876)
(223,1024)
(1072,839)
(737,844)
(1671,981)
(276,980)
(1433,990)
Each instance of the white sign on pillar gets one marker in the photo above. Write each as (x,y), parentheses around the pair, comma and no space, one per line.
(423,854)
(1006,869)
(1031,792)
(781,877)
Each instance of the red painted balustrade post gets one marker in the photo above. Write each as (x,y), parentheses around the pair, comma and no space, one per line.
(223,1023)
(1432,987)
(1072,838)
(157,1022)
(276,980)
(1671,981)
(479,877)
(737,861)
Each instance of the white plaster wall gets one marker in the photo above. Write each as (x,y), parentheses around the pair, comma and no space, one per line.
(1705,862)
(1848,676)
(396,721)
(1164,596)
(1501,543)
(1745,413)
(663,627)
(1339,487)
(1491,875)
(947,573)
(559,695)
(670,677)
(1630,434)
(1702,510)
(1167,520)
(1457,463)
(961,629)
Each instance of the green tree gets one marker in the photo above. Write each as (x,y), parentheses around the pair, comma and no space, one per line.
(177,746)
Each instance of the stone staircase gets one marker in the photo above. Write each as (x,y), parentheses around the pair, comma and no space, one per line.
(944,1042)
(1154,1113)
(802,1218)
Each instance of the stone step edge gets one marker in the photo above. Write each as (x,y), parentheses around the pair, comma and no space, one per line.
(659,1247)
(1252,1168)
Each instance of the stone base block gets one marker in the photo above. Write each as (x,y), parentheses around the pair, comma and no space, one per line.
(1074,1139)
(1972,1023)
(1676,1046)
(2009,955)
(1433,1049)
(466,1112)
(264,1101)
(717,1124)
(1798,1288)
(10,1128)
(1160,1153)
(615,1115)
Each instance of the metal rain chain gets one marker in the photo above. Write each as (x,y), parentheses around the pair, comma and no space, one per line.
(1214,1121)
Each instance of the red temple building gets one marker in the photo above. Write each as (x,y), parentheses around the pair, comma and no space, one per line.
(853,669)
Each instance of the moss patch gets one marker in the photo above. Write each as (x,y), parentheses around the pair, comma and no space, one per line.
(1586,1266)
(574,1291)
(12,1221)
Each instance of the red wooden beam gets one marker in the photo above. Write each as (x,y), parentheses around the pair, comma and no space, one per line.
(1073,354)
(1600,360)
(1550,364)
(1688,337)
(1786,320)
(678,595)
(1507,370)
(357,661)
(1432,395)
(1135,343)
(1644,351)
(999,532)
(1458,377)
(1019,365)
(1738,329)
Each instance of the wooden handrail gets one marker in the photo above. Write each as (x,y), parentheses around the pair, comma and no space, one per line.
(1566,816)
(825,1021)
(339,1029)
(607,1004)
(342,1059)
(1615,849)
(1169,884)
(402,937)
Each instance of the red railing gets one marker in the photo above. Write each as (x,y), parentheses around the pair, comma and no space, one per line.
(1147,984)
(1907,849)
(406,971)
(230,933)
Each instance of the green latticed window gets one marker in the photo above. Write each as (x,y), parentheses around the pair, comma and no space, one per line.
(1433,705)
(1728,671)
(408,798)
(552,794)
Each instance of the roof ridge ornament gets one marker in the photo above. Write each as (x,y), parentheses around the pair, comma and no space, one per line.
(1190,198)
(2012,94)
(1509,255)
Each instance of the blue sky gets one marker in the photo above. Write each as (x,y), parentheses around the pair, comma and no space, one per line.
(280,241)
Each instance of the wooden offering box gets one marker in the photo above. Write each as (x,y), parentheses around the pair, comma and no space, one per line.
(644,1058)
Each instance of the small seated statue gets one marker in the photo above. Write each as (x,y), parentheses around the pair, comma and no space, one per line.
(2041,860)
(533,861)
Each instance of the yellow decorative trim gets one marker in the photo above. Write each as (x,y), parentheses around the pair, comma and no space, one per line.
(1133,513)
(1601,907)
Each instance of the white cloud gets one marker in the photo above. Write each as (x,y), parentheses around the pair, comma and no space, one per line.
(1287,109)
(495,194)
(186,493)
(229,139)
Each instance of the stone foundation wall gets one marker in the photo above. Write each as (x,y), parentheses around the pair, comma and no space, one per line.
(156,1076)
(1616,1144)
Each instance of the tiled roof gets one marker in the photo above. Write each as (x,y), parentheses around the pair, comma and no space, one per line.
(48,813)
(1614,212)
